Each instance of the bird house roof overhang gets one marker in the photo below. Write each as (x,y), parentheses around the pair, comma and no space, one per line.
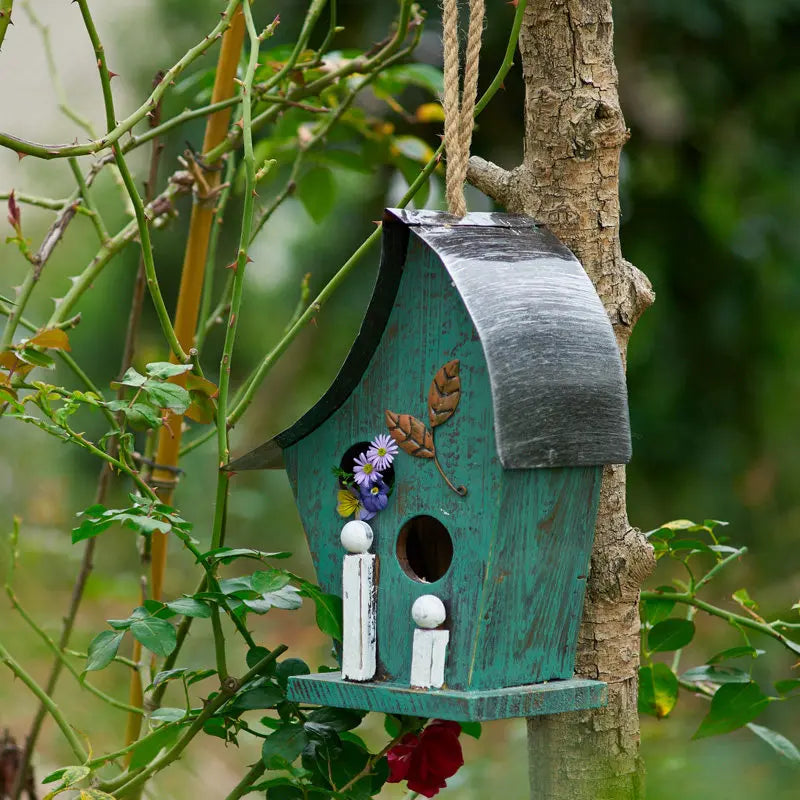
(558,387)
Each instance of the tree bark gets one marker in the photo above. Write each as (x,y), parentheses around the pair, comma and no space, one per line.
(569,180)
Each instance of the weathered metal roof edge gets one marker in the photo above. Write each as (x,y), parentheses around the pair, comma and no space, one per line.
(607,422)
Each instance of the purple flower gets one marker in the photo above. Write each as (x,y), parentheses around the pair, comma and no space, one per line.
(375,497)
(365,471)
(382,450)
(364,515)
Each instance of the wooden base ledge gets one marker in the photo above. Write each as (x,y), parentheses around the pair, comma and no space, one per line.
(554,697)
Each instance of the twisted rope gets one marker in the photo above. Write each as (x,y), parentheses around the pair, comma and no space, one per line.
(459,107)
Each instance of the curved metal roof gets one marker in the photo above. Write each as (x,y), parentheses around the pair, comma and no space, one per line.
(558,387)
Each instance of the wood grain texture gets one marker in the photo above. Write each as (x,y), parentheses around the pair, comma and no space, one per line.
(557,384)
(359,635)
(428,658)
(521,538)
(556,697)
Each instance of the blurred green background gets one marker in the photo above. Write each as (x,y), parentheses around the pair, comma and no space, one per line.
(711,202)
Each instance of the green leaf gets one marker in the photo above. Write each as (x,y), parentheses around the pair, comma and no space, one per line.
(164,369)
(190,607)
(329,614)
(139,415)
(413,148)
(392,725)
(268,581)
(131,378)
(716,675)
(732,706)
(35,358)
(671,634)
(285,792)
(779,743)
(337,719)
(168,395)
(146,750)
(394,79)
(742,597)
(283,746)
(472,729)
(289,667)
(167,714)
(693,545)
(102,650)
(317,192)
(255,655)
(658,609)
(735,652)
(678,525)
(72,775)
(94,794)
(89,528)
(787,686)
(228,554)
(157,635)
(287,598)
(658,690)
(260,697)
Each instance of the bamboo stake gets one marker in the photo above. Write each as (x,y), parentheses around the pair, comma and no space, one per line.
(191,286)
(188,306)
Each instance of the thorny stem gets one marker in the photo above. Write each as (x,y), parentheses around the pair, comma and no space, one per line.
(47,703)
(133,192)
(211,258)
(243,787)
(246,394)
(729,616)
(227,689)
(249,166)
(113,246)
(5,17)
(362,65)
(49,151)
(33,200)
(91,208)
(60,655)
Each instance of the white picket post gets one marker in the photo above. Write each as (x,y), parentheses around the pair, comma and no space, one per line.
(429,650)
(359,623)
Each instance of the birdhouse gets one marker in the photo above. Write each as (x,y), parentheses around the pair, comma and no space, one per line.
(448,480)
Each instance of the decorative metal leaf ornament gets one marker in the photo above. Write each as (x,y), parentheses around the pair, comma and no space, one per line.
(411,435)
(444,394)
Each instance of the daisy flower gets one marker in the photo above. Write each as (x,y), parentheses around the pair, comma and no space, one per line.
(365,472)
(382,450)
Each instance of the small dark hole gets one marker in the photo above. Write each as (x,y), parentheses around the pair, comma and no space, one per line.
(424,548)
(348,463)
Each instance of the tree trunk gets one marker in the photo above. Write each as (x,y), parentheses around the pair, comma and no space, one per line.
(569,180)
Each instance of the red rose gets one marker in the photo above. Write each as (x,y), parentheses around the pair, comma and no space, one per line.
(425,761)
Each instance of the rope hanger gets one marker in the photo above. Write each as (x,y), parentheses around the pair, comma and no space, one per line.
(459,107)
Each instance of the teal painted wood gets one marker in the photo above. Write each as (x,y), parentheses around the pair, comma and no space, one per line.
(328,689)
(521,538)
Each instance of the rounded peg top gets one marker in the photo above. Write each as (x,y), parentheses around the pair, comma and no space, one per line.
(356,536)
(428,611)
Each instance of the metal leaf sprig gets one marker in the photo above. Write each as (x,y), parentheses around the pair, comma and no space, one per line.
(412,436)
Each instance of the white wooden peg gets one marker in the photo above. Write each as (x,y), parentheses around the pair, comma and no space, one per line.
(359,635)
(429,651)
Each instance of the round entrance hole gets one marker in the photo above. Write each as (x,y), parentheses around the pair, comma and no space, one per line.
(424,548)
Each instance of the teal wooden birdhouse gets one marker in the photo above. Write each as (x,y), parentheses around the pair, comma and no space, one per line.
(467,429)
